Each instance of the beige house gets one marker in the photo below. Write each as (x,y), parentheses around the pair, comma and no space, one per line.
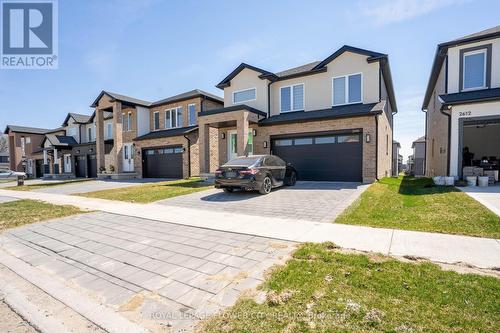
(331,119)
(462,105)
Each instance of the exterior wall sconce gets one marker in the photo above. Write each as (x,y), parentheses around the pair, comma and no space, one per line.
(368,138)
(91,150)
(265,144)
(254,132)
(223,135)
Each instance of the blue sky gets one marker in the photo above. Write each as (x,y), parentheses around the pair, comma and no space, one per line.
(151,49)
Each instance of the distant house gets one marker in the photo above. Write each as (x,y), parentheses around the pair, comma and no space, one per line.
(418,157)
(396,163)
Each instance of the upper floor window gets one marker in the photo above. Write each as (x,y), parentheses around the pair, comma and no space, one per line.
(192,114)
(124,123)
(129,121)
(246,95)
(28,140)
(71,131)
(173,117)
(23,146)
(89,134)
(109,131)
(156,120)
(292,98)
(474,69)
(347,89)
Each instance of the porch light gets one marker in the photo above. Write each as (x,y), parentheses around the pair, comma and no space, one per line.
(265,144)
(367,138)
(223,135)
(91,150)
(254,132)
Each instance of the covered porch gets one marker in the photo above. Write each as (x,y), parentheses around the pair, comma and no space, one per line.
(226,133)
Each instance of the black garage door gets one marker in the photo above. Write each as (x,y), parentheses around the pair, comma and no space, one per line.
(92,166)
(327,157)
(165,162)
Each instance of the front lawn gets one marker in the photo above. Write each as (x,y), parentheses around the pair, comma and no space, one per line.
(151,192)
(323,290)
(20,212)
(416,204)
(50,183)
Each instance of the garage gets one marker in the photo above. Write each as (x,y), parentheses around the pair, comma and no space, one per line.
(163,162)
(327,157)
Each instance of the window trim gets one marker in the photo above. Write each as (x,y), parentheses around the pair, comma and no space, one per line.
(189,114)
(487,79)
(129,121)
(291,97)
(485,66)
(241,90)
(109,129)
(346,89)
(156,128)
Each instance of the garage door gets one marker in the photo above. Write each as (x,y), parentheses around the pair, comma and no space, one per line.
(327,157)
(163,162)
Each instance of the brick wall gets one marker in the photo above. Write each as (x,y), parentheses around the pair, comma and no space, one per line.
(384,146)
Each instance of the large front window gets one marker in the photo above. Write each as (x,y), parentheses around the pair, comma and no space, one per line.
(173,117)
(292,98)
(244,95)
(474,70)
(347,89)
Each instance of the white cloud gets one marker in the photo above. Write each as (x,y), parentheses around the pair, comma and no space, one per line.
(389,11)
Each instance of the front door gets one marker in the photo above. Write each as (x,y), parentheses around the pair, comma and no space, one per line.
(128,157)
(233,144)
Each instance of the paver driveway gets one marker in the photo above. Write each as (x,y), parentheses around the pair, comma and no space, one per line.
(96,185)
(311,201)
(147,270)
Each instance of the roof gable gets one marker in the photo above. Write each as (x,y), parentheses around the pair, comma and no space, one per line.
(226,82)
(78,118)
(25,129)
(121,98)
(372,56)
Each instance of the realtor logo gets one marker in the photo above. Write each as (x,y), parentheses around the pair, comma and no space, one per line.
(29,34)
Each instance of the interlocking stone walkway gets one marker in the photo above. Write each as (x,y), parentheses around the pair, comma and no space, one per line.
(148,269)
(311,201)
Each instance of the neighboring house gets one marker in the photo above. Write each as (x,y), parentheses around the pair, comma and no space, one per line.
(23,143)
(418,157)
(462,104)
(396,162)
(332,119)
(150,139)
(4,152)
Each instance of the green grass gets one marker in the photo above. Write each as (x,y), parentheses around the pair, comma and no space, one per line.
(151,192)
(416,204)
(28,187)
(20,212)
(330,291)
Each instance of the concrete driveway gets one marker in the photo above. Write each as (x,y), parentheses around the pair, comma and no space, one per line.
(96,185)
(147,270)
(310,201)
(488,196)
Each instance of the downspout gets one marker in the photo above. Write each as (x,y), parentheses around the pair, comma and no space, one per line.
(376,147)
(189,154)
(269,98)
(449,139)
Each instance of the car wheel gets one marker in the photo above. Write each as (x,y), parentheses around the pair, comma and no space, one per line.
(228,190)
(266,186)
(292,179)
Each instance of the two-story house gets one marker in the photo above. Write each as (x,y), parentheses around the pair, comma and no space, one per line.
(149,139)
(332,119)
(418,158)
(462,105)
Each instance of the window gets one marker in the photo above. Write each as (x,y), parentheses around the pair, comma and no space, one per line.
(292,98)
(28,140)
(129,121)
(173,117)
(89,134)
(109,131)
(284,142)
(244,95)
(124,124)
(192,114)
(156,120)
(71,131)
(23,146)
(303,141)
(347,89)
(474,69)
(347,138)
(150,152)
(324,140)
(250,143)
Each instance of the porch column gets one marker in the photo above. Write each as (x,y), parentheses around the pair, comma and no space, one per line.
(46,168)
(99,139)
(56,163)
(242,129)
(204,142)
(117,136)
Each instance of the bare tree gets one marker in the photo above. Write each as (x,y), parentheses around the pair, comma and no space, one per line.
(4,143)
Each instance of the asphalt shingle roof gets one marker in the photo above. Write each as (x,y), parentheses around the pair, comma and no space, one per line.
(25,129)
(167,133)
(189,94)
(471,96)
(297,70)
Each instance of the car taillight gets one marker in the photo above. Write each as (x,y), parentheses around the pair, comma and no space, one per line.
(248,172)
(218,172)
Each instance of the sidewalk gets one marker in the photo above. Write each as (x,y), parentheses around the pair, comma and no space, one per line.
(479,252)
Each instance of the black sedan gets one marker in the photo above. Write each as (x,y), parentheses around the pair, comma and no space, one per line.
(257,172)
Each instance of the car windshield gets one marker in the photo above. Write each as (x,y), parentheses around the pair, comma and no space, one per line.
(243,161)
